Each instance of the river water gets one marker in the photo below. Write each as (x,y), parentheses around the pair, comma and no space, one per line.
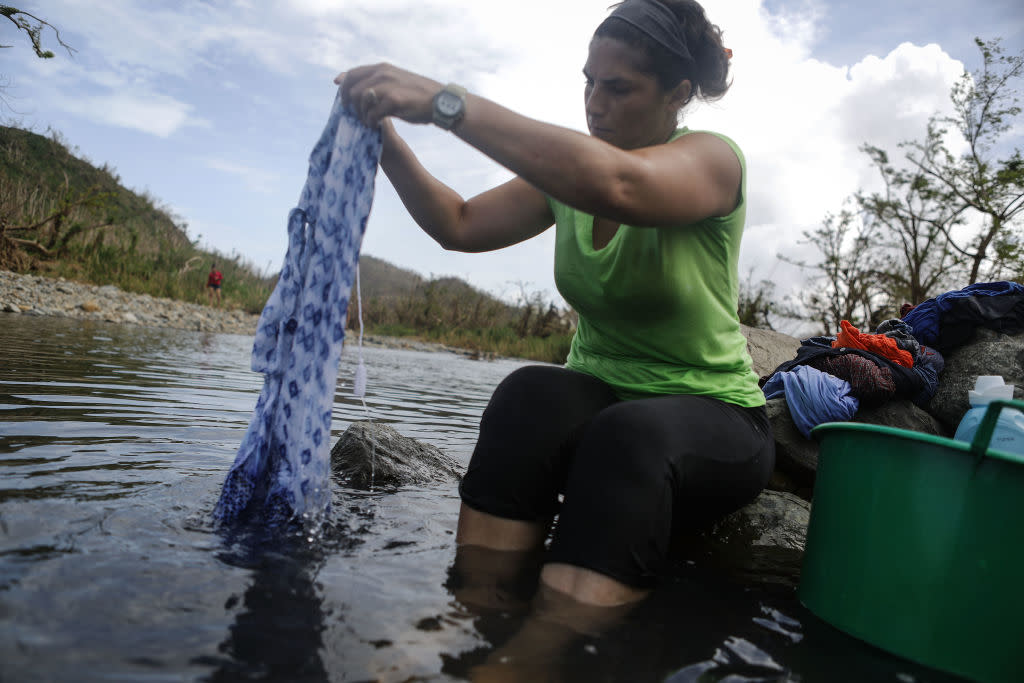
(114,442)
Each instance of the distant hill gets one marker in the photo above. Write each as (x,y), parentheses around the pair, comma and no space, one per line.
(381,278)
(101,232)
(62,216)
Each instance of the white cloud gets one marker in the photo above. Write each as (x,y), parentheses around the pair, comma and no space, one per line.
(258,75)
(154,114)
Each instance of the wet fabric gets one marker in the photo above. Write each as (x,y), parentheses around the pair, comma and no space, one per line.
(850,337)
(918,384)
(908,383)
(949,320)
(902,334)
(282,469)
(633,473)
(870,383)
(813,397)
(927,366)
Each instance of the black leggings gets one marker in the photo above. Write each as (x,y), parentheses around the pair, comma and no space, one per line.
(631,472)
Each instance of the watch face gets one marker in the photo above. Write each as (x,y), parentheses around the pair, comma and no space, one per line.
(449,104)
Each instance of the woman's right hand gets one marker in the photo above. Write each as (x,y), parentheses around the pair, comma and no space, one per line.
(382,90)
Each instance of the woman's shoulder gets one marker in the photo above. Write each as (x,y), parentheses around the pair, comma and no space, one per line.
(685,132)
(682,134)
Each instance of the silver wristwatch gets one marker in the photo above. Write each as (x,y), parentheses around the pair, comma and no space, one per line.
(449,106)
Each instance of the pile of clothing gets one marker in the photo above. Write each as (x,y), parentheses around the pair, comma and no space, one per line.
(832,377)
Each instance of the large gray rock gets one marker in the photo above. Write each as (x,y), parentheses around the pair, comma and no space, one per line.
(795,456)
(988,353)
(769,349)
(903,415)
(370,454)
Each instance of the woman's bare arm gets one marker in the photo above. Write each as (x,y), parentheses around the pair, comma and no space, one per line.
(505,215)
(685,181)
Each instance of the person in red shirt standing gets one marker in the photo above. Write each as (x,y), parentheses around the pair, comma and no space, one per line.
(213,281)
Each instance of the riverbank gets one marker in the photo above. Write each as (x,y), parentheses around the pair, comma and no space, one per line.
(41,296)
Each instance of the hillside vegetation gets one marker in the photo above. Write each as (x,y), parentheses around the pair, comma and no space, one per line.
(61,216)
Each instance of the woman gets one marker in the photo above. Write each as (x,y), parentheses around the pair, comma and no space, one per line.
(656,423)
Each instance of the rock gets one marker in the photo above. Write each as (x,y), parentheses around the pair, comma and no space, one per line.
(372,453)
(90,306)
(775,519)
(795,456)
(987,353)
(761,542)
(769,349)
(903,415)
(10,308)
(108,290)
(129,318)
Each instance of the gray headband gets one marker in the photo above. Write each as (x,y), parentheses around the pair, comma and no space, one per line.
(657,22)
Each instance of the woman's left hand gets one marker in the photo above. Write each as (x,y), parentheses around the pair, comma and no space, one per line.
(382,90)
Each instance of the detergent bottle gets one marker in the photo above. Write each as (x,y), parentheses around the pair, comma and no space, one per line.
(1009,432)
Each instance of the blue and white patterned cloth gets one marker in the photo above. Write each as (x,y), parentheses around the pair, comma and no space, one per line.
(282,470)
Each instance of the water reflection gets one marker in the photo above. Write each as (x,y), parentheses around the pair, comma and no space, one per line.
(279,625)
(114,442)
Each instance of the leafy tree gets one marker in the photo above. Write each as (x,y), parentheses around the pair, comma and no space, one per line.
(912,216)
(941,219)
(33,27)
(981,181)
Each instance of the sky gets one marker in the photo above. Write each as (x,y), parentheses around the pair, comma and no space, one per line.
(212,107)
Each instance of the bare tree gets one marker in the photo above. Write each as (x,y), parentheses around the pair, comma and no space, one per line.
(33,27)
(844,284)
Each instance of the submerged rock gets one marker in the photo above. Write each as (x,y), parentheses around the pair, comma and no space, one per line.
(373,454)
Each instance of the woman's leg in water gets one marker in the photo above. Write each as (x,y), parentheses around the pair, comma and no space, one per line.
(510,491)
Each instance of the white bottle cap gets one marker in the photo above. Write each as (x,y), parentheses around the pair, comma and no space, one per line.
(989,388)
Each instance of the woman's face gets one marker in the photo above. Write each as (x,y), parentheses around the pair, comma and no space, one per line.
(625,106)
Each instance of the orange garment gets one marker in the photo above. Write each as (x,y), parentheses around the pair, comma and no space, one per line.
(851,338)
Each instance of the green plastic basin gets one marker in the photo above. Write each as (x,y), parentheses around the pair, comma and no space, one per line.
(916,545)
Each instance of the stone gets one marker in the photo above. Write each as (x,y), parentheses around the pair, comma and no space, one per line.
(987,353)
(769,349)
(373,454)
(762,542)
(129,318)
(90,306)
(795,456)
(901,414)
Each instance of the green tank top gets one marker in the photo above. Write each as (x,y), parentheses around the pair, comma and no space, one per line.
(657,306)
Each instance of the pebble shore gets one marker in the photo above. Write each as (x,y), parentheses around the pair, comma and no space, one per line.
(36,295)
